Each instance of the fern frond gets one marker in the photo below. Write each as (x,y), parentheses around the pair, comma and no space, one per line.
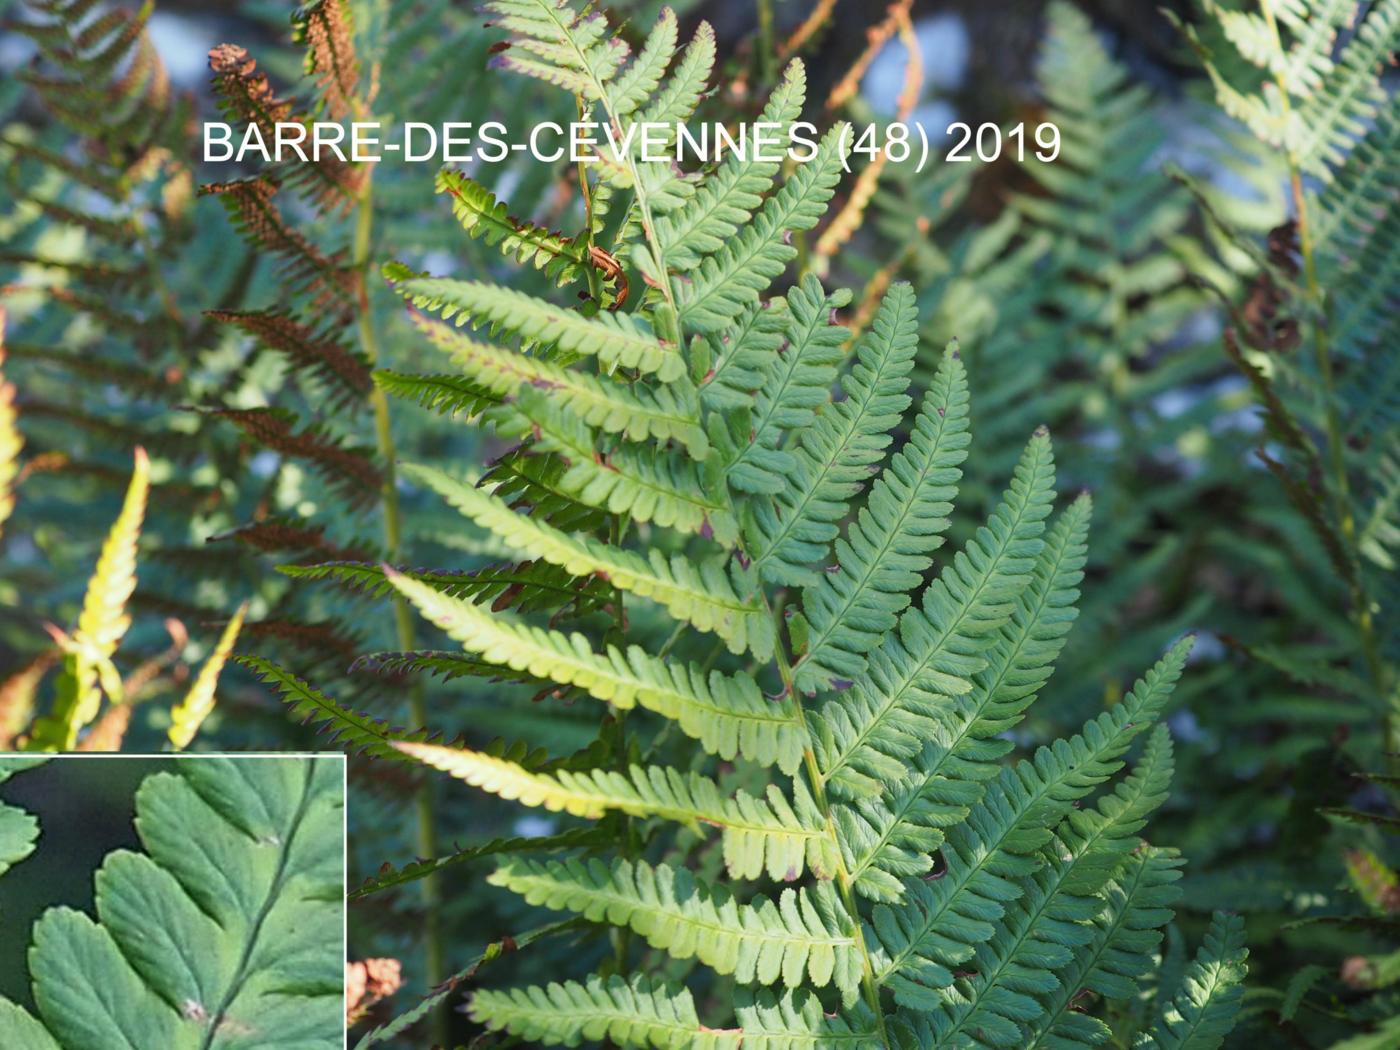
(770,835)
(1048,926)
(698,592)
(349,469)
(864,737)
(834,457)
(644,484)
(728,281)
(562,259)
(741,355)
(797,382)
(388,876)
(803,938)
(357,733)
(647,1012)
(1022,657)
(189,714)
(1126,932)
(640,413)
(616,340)
(891,837)
(726,713)
(886,548)
(726,200)
(552,42)
(317,353)
(326,29)
(101,625)
(1201,1014)
(527,586)
(939,923)
(638,1012)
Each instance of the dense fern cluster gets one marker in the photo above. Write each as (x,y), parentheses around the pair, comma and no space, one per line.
(600,500)
(934,892)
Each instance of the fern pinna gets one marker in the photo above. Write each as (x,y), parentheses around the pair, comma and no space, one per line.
(888,878)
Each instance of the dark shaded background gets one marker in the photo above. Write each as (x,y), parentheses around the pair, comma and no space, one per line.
(85,805)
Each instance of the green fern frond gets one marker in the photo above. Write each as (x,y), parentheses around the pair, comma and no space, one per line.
(727,282)
(894,836)
(647,1012)
(639,1012)
(727,199)
(938,924)
(886,548)
(726,713)
(528,586)
(804,938)
(1201,1014)
(644,484)
(1126,932)
(1048,926)
(357,733)
(616,340)
(834,457)
(389,877)
(772,835)
(797,382)
(865,736)
(562,259)
(639,413)
(1334,92)
(698,592)
(740,357)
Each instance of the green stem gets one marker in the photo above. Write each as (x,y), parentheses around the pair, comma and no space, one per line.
(817,783)
(767,53)
(426,829)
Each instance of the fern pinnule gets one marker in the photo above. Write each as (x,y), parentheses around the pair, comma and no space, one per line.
(701,593)
(615,339)
(835,456)
(794,941)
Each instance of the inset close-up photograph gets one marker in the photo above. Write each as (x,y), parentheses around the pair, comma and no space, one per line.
(172,902)
(729,524)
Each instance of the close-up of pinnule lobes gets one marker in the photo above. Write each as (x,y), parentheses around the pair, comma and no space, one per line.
(812,524)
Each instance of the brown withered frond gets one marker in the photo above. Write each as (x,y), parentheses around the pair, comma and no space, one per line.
(285,535)
(253,210)
(326,27)
(308,350)
(351,471)
(246,97)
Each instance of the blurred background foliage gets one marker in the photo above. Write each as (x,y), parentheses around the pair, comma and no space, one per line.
(1094,295)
